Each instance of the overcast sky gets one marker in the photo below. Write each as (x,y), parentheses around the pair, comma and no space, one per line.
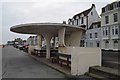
(14,12)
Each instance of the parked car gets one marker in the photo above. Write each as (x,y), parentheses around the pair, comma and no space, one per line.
(25,48)
(15,45)
(20,47)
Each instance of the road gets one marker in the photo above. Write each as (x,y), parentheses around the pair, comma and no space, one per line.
(18,64)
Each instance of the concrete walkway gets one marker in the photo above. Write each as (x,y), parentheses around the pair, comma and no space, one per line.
(64,69)
(17,64)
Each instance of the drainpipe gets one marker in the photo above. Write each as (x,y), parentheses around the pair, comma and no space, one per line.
(54,42)
(87,22)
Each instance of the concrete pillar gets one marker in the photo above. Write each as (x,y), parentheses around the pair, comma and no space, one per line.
(61,44)
(61,36)
(39,41)
(31,49)
(48,38)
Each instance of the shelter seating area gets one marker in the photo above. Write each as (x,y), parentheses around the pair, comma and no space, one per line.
(62,59)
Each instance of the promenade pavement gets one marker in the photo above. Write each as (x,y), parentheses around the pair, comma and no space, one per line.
(18,64)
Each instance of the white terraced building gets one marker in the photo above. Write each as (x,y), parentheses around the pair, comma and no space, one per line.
(86,19)
(110,22)
(93,35)
(33,40)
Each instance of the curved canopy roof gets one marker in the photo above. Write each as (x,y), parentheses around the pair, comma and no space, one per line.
(43,28)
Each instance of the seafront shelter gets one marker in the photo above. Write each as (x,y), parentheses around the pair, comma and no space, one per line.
(69,43)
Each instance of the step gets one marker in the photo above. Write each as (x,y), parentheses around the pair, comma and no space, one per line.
(95,76)
(110,59)
(80,77)
(85,77)
(104,71)
(110,54)
(111,64)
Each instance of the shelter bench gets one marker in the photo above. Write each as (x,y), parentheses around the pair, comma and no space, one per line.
(58,57)
(52,52)
(40,52)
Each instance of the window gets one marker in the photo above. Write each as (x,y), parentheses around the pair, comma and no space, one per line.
(116,31)
(111,7)
(98,45)
(91,13)
(90,35)
(72,22)
(113,31)
(103,32)
(115,17)
(77,21)
(82,43)
(82,21)
(106,19)
(103,10)
(96,35)
(119,3)
(95,26)
(106,32)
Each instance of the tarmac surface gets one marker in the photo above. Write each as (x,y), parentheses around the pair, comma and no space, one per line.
(18,64)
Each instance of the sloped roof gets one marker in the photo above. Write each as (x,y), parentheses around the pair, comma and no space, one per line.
(86,12)
(69,19)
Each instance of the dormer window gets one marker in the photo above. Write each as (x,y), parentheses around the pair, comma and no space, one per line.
(82,20)
(77,21)
(111,6)
(103,10)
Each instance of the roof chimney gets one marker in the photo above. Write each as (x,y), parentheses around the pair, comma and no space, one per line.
(93,5)
(64,22)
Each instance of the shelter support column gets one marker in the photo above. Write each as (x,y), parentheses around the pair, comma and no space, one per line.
(39,41)
(48,38)
(61,36)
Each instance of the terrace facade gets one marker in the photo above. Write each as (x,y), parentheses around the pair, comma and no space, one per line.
(110,30)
